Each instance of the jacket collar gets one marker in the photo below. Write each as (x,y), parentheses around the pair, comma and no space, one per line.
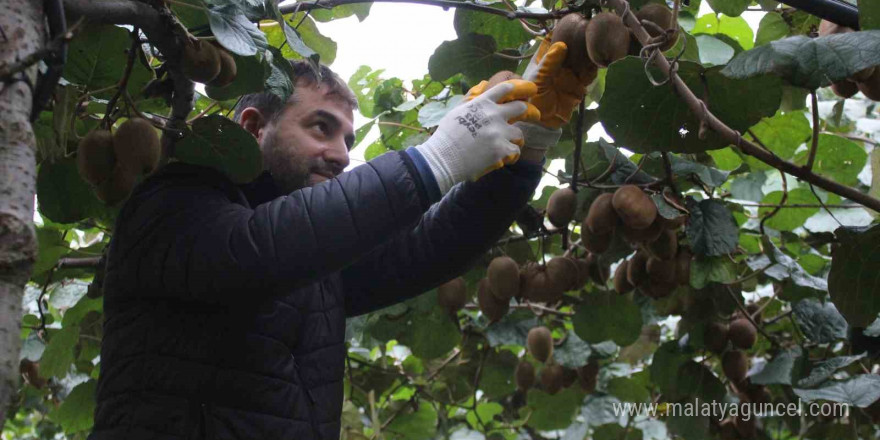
(260,190)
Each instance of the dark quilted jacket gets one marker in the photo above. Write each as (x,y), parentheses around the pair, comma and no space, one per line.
(225,305)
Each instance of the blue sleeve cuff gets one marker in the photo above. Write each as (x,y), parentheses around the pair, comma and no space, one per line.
(431,187)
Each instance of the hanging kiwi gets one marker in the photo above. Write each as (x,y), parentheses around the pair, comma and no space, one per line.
(661,271)
(552,378)
(642,236)
(137,145)
(665,246)
(561,207)
(228,69)
(601,218)
(503,275)
(539,342)
(845,88)
(634,207)
(500,77)
(871,86)
(588,376)
(570,30)
(525,375)
(201,61)
(583,272)
(562,272)
(452,295)
(683,266)
(607,39)
(117,187)
(95,158)
(492,307)
(636,269)
(31,372)
(743,333)
(661,16)
(715,336)
(599,272)
(735,365)
(621,282)
(595,242)
(535,284)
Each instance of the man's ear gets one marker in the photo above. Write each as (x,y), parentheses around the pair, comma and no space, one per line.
(253,121)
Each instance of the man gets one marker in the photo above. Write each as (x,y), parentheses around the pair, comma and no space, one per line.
(225,305)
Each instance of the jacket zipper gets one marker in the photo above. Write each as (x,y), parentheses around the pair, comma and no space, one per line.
(205,431)
(312,418)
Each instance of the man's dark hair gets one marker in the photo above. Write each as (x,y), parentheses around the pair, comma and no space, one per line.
(304,74)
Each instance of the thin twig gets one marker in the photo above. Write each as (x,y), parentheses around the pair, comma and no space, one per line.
(87,262)
(796,205)
(512,57)
(395,124)
(813,190)
(781,202)
(667,165)
(815,144)
(123,82)
(578,144)
(518,238)
(855,138)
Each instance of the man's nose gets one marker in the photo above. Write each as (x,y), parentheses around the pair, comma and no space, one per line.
(337,156)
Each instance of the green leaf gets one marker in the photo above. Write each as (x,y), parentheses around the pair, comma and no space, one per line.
(859,391)
(190,17)
(819,322)
(219,143)
(606,316)
(51,247)
(430,335)
(708,175)
(869,15)
(726,159)
(63,196)
(838,158)
(473,55)
(853,281)
(252,73)
(628,390)
(782,134)
(645,118)
(363,83)
(496,379)
(810,62)
(421,424)
(711,229)
(511,329)
(666,365)
(772,27)
(732,8)
(553,412)
(361,10)
(713,51)
(780,369)
(705,270)
(573,352)
(696,380)
(613,431)
(787,267)
(59,353)
(506,33)
(66,295)
(76,413)
(97,56)
(311,41)
(726,28)
(788,219)
(280,80)
(825,369)
(749,187)
(235,32)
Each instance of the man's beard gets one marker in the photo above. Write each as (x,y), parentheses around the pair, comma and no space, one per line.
(289,171)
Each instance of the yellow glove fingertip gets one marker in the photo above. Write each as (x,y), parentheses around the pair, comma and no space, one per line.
(476,90)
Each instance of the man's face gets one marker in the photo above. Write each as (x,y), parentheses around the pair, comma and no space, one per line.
(310,140)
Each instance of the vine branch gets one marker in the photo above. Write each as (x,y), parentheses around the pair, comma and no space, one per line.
(445,4)
(815,144)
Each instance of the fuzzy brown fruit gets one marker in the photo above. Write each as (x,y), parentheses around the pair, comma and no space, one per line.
(715,336)
(637,270)
(657,290)
(683,266)
(642,236)
(666,246)
(500,77)
(599,272)
(452,295)
(871,86)
(137,145)
(570,30)
(492,307)
(588,376)
(535,284)
(201,61)
(601,218)
(561,206)
(747,429)
(228,70)
(583,273)
(595,242)
(634,207)
(661,16)
(845,88)
(569,377)
(552,378)
(742,333)
(503,275)
(607,39)
(117,187)
(661,271)
(735,365)
(525,375)
(540,343)
(562,273)
(621,283)
(862,75)
(95,158)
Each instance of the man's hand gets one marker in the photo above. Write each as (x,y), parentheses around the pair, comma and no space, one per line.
(560,89)
(476,137)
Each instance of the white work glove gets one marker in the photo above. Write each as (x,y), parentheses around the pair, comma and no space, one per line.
(476,137)
(537,137)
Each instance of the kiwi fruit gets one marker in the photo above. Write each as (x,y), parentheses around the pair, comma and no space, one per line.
(845,88)
(871,86)
(683,266)
(452,295)
(747,429)
(492,307)
(671,223)
(715,336)
(595,242)
(95,158)
(535,284)
(637,270)
(525,375)
(753,311)
(552,378)
(228,70)
(583,272)
(661,16)
(642,236)
(503,275)
(569,377)
(601,218)
(661,271)
(735,365)
(561,206)
(500,77)
(862,75)
(759,394)
(570,30)
(599,272)
(588,376)
(742,333)
(607,39)
(727,430)
(201,61)
(540,343)
(117,187)
(621,283)
(562,273)
(666,246)
(634,207)
(137,145)
(657,290)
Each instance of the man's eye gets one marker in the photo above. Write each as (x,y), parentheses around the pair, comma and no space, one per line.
(322,127)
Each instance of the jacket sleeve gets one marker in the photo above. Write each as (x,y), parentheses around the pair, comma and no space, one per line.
(192,236)
(444,243)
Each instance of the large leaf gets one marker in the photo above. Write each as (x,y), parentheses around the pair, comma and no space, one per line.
(59,353)
(63,196)
(430,335)
(606,316)
(76,413)
(869,14)
(838,158)
(645,118)
(97,56)
(732,8)
(772,27)
(473,55)
(788,219)
(735,30)
(825,369)
(859,391)
(280,80)
(782,134)
(573,352)
(819,322)
(853,282)
(306,40)
(416,425)
(553,412)
(363,83)
(786,267)
(711,229)
(810,62)
(507,33)
(779,370)
(235,32)
(221,144)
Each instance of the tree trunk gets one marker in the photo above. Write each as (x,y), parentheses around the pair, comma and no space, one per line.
(22,34)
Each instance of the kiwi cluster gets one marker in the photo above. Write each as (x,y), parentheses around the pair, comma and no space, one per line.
(452,295)
(660,264)
(111,162)
(553,377)
(866,81)
(208,64)
(592,43)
